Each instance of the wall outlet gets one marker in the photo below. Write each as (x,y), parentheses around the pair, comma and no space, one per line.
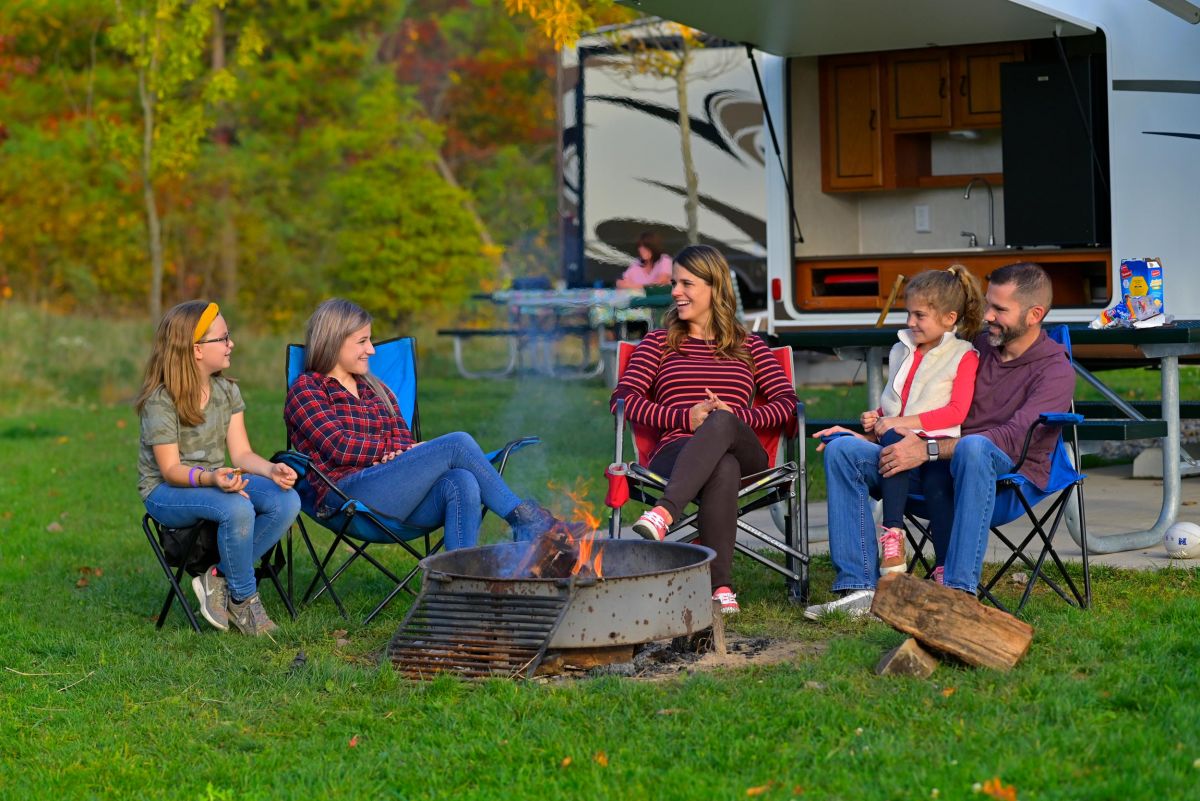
(921,218)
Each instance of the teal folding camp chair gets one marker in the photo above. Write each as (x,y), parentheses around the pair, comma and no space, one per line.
(353,523)
(1016,498)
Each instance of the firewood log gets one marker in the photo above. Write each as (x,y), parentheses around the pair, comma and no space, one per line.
(951,621)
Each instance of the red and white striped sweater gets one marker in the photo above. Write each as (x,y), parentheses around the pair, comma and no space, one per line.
(659,389)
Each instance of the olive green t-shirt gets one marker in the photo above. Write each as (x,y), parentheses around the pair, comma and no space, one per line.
(202,445)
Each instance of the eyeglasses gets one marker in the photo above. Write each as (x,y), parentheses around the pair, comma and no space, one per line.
(218,339)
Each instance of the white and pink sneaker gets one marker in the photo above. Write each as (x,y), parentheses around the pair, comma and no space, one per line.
(652,525)
(728,600)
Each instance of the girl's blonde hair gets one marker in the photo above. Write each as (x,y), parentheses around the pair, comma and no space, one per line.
(328,327)
(726,331)
(954,289)
(172,365)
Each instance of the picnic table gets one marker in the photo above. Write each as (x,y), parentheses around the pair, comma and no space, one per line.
(1164,345)
(538,319)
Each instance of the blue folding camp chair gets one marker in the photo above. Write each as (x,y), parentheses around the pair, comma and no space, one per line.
(354,524)
(1016,497)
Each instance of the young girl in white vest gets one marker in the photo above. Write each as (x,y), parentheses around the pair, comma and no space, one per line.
(930,386)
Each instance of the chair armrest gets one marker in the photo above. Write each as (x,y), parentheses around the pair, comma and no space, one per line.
(1054,419)
(293,459)
(305,468)
(499,458)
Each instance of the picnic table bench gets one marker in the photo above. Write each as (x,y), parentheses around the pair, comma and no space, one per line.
(538,319)
(1164,345)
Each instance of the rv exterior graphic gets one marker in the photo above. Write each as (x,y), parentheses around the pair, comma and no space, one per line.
(1128,72)
(622,172)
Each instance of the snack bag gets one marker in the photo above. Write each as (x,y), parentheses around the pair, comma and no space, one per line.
(1141,304)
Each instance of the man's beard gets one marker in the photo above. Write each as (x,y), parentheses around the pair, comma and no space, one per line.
(1006,334)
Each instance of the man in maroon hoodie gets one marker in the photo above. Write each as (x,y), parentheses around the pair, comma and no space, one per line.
(1022,373)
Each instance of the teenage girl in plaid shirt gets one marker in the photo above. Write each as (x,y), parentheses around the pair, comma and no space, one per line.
(347,421)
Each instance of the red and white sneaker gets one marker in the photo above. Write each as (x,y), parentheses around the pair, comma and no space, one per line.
(728,600)
(891,543)
(652,524)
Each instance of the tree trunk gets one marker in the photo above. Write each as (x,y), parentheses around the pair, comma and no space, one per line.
(480,226)
(153,224)
(691,180)
(227,239)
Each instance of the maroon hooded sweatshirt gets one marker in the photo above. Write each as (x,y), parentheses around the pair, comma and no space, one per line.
(1009,396)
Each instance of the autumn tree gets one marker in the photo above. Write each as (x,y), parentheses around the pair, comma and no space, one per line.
(166,42)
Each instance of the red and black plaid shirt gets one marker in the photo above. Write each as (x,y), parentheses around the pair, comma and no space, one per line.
(342,434)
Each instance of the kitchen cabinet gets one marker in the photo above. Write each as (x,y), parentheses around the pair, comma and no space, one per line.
(918,85)
(944,88)
(976,76)
(880,110)
(852,124)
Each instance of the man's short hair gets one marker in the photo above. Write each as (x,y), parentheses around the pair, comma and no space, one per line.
(1031,282)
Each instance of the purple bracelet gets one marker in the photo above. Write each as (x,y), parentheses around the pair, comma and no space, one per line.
(192,475)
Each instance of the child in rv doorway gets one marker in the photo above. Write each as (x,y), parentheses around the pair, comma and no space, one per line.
(190,413)
(931,382)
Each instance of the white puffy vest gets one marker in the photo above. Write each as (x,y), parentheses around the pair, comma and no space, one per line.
(931,385)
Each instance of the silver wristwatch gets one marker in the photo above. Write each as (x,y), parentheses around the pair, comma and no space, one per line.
(931,449)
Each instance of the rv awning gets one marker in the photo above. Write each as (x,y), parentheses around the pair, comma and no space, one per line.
(821,27)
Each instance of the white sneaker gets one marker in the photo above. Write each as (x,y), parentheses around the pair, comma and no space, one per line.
(856,604)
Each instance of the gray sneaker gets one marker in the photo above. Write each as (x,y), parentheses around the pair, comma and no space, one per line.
(213,593)
(856,604)
(249,617)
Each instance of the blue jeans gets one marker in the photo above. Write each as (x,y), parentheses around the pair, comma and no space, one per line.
(246,529)
(930,480)
(439,482)
(852,478)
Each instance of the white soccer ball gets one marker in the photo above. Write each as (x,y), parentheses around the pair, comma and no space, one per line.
(1182,540)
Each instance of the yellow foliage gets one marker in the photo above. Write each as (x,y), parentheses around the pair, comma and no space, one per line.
(560,21)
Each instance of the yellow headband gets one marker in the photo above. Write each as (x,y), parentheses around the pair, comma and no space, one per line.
(206,319)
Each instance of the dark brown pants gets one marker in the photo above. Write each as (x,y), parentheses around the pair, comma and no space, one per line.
(708,467)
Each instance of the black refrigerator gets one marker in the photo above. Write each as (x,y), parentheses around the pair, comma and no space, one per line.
(1055,149)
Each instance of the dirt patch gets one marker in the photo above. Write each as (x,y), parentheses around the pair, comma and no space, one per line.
(660,661)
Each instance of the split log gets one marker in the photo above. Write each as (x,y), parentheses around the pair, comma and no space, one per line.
(584,659)
(552,555)
(951,621)
(907,659)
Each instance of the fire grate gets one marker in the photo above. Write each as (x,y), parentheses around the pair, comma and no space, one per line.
(476,634)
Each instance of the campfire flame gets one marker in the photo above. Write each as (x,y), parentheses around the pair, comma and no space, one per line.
(574,544)
(591,553)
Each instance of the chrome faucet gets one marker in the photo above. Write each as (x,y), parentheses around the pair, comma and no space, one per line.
(991,207)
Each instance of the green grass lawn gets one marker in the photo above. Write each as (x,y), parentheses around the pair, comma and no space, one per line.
(95,703)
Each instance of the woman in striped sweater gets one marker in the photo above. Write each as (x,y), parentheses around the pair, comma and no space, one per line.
(695,382)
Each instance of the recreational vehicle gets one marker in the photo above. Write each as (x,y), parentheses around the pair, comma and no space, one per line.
(918,133)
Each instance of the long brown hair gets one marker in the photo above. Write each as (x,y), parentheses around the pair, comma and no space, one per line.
(652,242)
(727,332)
(328,327)
(954,289)
(173,366)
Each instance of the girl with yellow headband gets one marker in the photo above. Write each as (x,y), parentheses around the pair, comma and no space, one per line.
(190,414)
